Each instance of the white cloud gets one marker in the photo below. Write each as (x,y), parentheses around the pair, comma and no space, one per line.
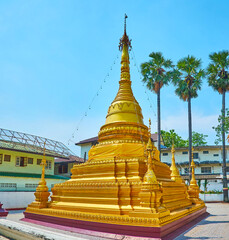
(200,123)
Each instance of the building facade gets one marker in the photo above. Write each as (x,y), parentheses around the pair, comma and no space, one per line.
(208,160)
(20,170)
(63,166)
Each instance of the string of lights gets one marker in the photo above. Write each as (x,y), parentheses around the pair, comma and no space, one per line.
(85,114)
(140,76)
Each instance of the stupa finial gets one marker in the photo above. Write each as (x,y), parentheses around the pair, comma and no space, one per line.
(125,17)
(43,163)
(125,39)
(193,180)
(149,146)
(149,127)
(175,174)
(193,189)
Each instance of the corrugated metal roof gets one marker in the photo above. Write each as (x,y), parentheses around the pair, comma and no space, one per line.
(196,148)
(18,141)
(72,159)
(28,149)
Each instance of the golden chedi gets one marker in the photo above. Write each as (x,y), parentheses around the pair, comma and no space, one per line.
(123,183)
(42,193)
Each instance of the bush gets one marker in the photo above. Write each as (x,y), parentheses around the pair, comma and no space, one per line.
(211,192)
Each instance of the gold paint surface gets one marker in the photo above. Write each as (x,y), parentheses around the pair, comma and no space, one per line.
(123,182)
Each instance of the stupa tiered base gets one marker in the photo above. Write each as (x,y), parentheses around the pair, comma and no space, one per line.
(115,203)
(125,225)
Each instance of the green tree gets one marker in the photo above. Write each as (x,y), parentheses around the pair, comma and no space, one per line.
(187,78)
(218,79)
(218,128)
(198,139)
(155,75)
(171,137)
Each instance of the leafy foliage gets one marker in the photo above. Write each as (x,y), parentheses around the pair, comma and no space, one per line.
(218,76)
(187,77)
(171,137)
(198,139)
(154,73)
(218,128)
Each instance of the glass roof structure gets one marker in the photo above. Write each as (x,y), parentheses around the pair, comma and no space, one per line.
(30,143)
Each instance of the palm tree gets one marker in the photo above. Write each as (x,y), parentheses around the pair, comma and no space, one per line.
(218,78)
(187,77)
(155,76)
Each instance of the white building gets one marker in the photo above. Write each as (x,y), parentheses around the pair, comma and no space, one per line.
(208,160)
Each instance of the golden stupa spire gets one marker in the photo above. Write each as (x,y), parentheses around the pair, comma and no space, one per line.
(193,189)
(125,101)
(42,192)
(150,176)
(193,166)
(125,46)
(175,174)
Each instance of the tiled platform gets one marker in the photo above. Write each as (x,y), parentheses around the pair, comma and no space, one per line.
(215,226)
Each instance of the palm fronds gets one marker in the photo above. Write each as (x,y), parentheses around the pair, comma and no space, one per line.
(154,71)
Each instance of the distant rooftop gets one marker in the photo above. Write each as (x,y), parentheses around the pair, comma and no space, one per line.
(197,147)
(154,138)
(18,141)
(71,159)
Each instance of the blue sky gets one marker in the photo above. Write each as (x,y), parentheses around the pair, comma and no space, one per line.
(55,56)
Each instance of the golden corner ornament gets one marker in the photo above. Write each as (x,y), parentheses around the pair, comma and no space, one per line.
(123,187)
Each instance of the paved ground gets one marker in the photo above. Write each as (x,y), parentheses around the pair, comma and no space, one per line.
(214,227)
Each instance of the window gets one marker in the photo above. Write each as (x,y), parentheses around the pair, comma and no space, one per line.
(195,155)
(215,155)
(205,152)
(85,156)
(39,161)
(1,156)
(30,160)
(165,154)
(8,185)
(21,162)
(227,169)
(31,185)
(48,165)
(60,169)
(186,170)
(206,169)
(63,169)
(7,158)
(184,152)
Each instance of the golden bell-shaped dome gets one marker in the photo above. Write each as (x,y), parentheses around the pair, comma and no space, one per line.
(124,120)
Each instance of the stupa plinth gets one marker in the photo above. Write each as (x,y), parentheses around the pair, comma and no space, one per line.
(3,212)
(123,188)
